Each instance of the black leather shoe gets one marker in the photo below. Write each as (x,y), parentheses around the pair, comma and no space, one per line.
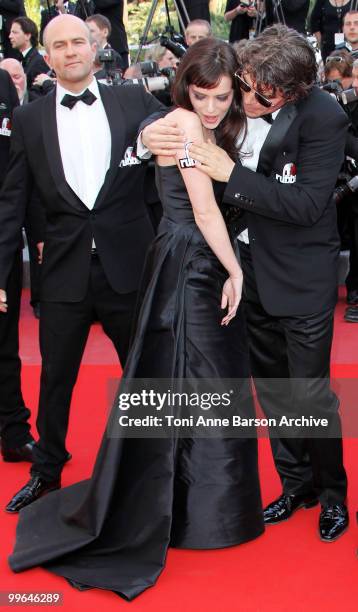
(282,508)
(352,297)
(21,453)
(33,489)
(333,522)
(351,315)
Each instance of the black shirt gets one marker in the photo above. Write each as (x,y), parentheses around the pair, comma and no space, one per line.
(328,20)
(240,25)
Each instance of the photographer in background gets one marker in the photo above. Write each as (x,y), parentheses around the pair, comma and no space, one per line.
(196,9)
(350,29)
(59,7)
(100,28)
(196,30)
(113,10)
(242,15)
(9,10)
(292,12)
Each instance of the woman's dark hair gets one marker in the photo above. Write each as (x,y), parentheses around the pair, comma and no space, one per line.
(29,27)
(203,65)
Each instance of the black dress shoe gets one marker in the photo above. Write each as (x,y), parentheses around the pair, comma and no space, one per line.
(333,522)
(351,315)
(282,508)
(21,453)
(352,297)
(33,489)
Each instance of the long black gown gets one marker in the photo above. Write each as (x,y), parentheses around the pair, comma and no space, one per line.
(113,530)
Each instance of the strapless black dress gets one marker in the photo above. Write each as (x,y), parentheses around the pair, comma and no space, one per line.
(113,530)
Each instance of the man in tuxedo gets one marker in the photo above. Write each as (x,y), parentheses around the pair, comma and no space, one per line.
(294,13)
(16,439)
(113,10)
(289,247)
(24,37)
(97,228)
(9,10)
(100,28)
(59,7)
(34,234)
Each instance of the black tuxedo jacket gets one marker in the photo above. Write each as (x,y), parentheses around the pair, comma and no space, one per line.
(113,10)
(294,11)
(8,102)
(290,214)
(119,221)
(33,64)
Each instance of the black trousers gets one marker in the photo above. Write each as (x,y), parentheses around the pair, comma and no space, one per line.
(64,329)
(14,426)
(296,350)
(352,278)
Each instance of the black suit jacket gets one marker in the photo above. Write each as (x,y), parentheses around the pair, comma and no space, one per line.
(292,225)
(33,64)
(113,10)
(294,12)
(119,222)
(10,10)
(8,102)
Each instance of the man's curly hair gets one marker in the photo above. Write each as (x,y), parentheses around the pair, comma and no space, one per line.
(280,59)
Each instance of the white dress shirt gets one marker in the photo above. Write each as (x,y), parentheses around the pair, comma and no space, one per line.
(257,130)
(85,144)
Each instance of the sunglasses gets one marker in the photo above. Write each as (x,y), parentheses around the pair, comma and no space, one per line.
(334,58)
(246,88)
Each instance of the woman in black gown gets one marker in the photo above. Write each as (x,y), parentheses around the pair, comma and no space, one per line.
(113,530)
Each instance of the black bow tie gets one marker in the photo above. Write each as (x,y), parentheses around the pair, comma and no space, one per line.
(268,118)
(70,101)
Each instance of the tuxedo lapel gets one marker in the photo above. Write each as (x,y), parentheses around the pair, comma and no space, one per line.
(276,135)
(116,120)
(52,148)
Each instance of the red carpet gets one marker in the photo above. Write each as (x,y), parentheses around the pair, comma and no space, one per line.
(288,569)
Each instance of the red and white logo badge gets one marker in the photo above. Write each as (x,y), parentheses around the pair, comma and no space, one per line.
(5,129)
(288,174)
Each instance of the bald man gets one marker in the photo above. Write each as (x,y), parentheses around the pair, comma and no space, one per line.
(76,146)
(17,74)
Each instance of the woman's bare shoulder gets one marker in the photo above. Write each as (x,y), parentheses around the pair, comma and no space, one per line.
(185,118)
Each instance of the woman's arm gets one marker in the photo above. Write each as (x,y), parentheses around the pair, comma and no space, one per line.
(206,211)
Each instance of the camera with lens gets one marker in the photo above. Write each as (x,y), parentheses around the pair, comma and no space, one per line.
(107,59)
(155,79)
(346,189)
(343,96)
